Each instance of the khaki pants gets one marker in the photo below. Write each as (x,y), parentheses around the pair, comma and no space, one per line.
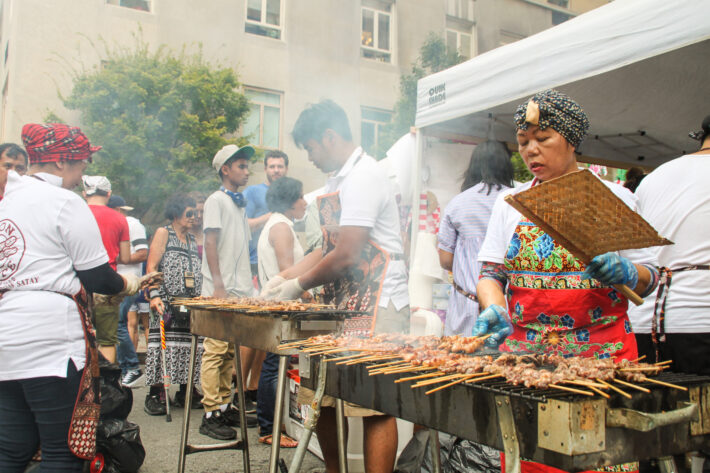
(389,320)
(216,375)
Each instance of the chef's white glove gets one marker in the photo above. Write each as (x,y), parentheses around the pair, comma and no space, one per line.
(131,286)
(270,285)
(287,290)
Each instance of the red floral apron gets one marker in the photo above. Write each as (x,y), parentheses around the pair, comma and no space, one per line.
(554,311)
(361,287)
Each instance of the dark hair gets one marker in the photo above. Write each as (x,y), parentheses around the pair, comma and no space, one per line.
(199,196)
(634,176)
(490,164)
(97,192)
(275,154)
(316,118)
(12,150)
(706,129)
(283,193)
(230,161)
(177,205)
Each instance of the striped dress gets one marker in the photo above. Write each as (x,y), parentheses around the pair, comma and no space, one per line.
(461,232)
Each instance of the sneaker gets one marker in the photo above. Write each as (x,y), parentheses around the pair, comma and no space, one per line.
(154,406)
(231,418)
(132,378)
(215,427)
(179,400)
(249,401)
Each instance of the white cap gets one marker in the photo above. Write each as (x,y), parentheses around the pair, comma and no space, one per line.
(96,183)
(223,155)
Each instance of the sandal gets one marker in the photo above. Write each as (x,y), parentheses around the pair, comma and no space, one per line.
(286,441)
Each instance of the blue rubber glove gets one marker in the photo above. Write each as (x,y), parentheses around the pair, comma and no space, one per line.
(493,320)
(610,269)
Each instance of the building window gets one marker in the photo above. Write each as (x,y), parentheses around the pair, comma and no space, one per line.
(264,120)
(265,18)
(142,5)
(460,9)
(459,42)
(371,125)
(376,34)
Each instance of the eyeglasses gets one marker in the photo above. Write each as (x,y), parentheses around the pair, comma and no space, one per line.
(189,214)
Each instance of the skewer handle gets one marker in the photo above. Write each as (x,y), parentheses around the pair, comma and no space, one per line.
(630,295)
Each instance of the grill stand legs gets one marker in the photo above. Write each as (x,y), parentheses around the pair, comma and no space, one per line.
(510,438)
(278,414)
(310,423)
(435,450)
(340,421)
(186,448)
(667,465)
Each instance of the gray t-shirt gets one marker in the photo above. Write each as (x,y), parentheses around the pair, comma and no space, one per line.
(222,214)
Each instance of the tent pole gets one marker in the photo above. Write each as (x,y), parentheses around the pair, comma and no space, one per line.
(416,191)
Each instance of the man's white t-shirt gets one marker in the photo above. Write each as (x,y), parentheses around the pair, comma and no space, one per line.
(221,213)
(675,199)
(46,234)
(139,241)
(368,200)
(504,219)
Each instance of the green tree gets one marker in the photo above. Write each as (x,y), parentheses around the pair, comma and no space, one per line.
(521,173)
(160,117)
(434,56)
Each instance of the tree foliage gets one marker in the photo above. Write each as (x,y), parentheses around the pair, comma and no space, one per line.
(434,56)
(160,118)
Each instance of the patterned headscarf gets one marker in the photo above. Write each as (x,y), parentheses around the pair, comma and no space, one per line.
(554,109)
(56,142)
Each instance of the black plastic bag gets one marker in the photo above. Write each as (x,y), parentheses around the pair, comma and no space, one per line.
(116,400)
(457,455)
(120,443)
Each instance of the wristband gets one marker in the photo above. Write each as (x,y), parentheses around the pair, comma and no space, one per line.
(154,293)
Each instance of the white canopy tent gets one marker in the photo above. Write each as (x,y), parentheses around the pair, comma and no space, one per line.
(640,69)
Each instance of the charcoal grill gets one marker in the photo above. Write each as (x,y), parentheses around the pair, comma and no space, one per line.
(567,431)
(261,330)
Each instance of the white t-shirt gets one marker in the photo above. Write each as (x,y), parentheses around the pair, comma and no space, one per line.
(368,200)
(139,241)
(46,233)
(268,263)
(675,200)
(221,213)
(504,219)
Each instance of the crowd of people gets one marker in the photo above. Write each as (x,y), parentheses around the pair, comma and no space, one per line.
(79,277)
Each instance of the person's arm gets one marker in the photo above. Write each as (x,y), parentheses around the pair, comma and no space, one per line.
(302,267)
(124,252)
(351,241)
(281,239)
(212,256)
(139,256)
(157,250)
(446,259)
(258,222)
(489,292)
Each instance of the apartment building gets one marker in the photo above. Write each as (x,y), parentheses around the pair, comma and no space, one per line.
(287,53)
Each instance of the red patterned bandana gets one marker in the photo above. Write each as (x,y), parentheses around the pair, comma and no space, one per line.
(56,142)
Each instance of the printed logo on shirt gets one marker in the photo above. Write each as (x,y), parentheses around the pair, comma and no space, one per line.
(12,248)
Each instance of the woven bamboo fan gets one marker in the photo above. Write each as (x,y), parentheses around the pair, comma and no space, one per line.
(582,214)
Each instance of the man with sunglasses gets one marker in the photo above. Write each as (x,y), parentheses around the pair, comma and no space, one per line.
(226,273)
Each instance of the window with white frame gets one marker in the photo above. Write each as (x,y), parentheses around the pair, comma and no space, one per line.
(460,42)
(376,32)
(264,121)
(142,5)
(460,9)
(372,122)
(265,18)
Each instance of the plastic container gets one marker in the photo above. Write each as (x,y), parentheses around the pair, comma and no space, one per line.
(425,322)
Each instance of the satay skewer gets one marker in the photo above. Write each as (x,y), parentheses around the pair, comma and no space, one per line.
(341,358)
(381,365)
(344,359)
(663,363)
(600,392)
(611,386)
(630,385)
(663,383)
(421,376)
(437,380)
(581,382)
(411,369)
(572,390)
(452,383)
(638,359)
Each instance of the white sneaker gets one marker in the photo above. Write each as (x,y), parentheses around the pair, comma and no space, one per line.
(131,378)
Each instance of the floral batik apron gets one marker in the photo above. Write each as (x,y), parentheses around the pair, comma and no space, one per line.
(361,287)
(554,310)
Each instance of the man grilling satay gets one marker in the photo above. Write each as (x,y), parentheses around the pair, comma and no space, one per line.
(360,264)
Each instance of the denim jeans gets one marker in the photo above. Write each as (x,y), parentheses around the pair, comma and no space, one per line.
(38,411)
(266,396)
(125,350)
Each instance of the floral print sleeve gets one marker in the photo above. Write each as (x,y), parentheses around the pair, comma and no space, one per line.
(494,271)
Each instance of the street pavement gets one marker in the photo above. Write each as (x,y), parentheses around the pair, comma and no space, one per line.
(161,440)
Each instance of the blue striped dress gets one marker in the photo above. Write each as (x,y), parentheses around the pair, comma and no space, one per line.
(461,232)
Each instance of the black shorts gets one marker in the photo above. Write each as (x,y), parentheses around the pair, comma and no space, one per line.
(690,352)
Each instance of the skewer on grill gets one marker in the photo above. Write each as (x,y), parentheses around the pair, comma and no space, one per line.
(571,390)
(663,383)
(421,376)
(452,383)
(630,385)
(437,380)
(611,386)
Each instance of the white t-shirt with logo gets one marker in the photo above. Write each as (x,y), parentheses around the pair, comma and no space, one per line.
(675,199)
(139,241)
(46,234)
(367,199)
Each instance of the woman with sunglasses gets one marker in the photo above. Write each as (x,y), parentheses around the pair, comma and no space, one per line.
(174,250)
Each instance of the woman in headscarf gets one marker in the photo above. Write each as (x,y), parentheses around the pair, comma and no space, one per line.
(585,316)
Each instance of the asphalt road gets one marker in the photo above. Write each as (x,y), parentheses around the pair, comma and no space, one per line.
(161,440)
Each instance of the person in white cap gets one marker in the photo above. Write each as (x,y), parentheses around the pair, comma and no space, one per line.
(116,239)
(225,272)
